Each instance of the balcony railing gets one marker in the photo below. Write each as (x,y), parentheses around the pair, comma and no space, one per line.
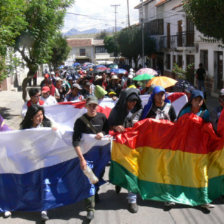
(183,39)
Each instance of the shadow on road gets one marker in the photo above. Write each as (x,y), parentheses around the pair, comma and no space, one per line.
(6,113)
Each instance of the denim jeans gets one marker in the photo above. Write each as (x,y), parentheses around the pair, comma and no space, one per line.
(132,198)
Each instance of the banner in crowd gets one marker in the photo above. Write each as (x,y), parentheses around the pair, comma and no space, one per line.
(65,114)
(40,169)
(180,162)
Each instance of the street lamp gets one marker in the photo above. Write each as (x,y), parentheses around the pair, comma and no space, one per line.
(143,40)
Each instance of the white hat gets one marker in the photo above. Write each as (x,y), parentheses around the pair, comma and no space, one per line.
(114,77)
(131,69)
(98,77)
(58,79)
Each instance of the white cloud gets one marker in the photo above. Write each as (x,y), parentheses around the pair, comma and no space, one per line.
(99,14)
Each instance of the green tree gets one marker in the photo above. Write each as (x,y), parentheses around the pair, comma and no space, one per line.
(59,51)
(44,18)
(101,35)
(11,23)
(208,16)
(111,44)
(130,43)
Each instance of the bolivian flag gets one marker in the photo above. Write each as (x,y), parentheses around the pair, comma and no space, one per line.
(181,162)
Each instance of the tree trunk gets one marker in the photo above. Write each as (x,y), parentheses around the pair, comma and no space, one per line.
(32,70)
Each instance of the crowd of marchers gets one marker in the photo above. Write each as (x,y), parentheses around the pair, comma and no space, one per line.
(91,87)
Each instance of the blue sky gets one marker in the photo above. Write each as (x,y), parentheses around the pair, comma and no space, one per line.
(99,14)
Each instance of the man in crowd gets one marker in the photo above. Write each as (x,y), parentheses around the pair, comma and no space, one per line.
(90,123)
(75,93)
(200,76)
(126,112)
(46,97)
(34,99)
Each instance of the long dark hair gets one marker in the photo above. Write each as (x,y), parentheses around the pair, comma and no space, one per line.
(28,119)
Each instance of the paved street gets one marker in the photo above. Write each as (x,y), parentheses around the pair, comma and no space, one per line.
(112,207)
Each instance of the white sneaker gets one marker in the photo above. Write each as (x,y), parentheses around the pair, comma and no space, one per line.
(208,206)
(7,214)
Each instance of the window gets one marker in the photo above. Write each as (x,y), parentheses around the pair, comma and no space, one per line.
(204,58)
(82,52)
(180,61)
(168,61)
(155,27)
(174,59)
(100,49)
(189,59)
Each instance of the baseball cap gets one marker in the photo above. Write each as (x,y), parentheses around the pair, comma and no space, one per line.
(158,89)
(46,76)
(76,85)
(195,93)
(91,100)
(45,89)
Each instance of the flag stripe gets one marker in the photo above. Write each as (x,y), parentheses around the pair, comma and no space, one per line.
(163,165)
(159,192)
(164,134)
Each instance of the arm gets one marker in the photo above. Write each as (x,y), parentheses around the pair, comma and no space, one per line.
(77,134)
(112,122)
(172,114)
(81,157)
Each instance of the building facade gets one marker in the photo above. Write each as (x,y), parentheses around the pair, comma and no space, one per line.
(87,50)
(179,42)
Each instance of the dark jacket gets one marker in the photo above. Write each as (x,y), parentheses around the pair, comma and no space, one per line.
(120,114)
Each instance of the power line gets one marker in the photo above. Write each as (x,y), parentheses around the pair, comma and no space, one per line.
(128,13)
(115,13)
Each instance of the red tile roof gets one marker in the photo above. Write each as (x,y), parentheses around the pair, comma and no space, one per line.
(79,42)
(177,6)
(161,2)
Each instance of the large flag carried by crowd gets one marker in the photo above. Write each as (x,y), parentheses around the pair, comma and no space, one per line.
(160,160)
(180,162)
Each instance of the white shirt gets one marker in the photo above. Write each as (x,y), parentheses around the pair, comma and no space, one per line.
(49,101)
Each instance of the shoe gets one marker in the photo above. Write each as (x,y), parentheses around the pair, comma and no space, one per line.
(133,207)
(117,189)
(90,215)
(169,203)
(208,206)
(7,214)
(44,216)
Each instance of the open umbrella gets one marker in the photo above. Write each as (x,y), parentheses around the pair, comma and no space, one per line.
(163,81)
(118,71)
(148,71)
(100,69)
(101,66)
(113,66)
(143,77)
(76,64)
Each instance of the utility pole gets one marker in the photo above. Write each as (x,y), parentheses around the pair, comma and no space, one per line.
(128,13)
(143,41)
(115,12)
